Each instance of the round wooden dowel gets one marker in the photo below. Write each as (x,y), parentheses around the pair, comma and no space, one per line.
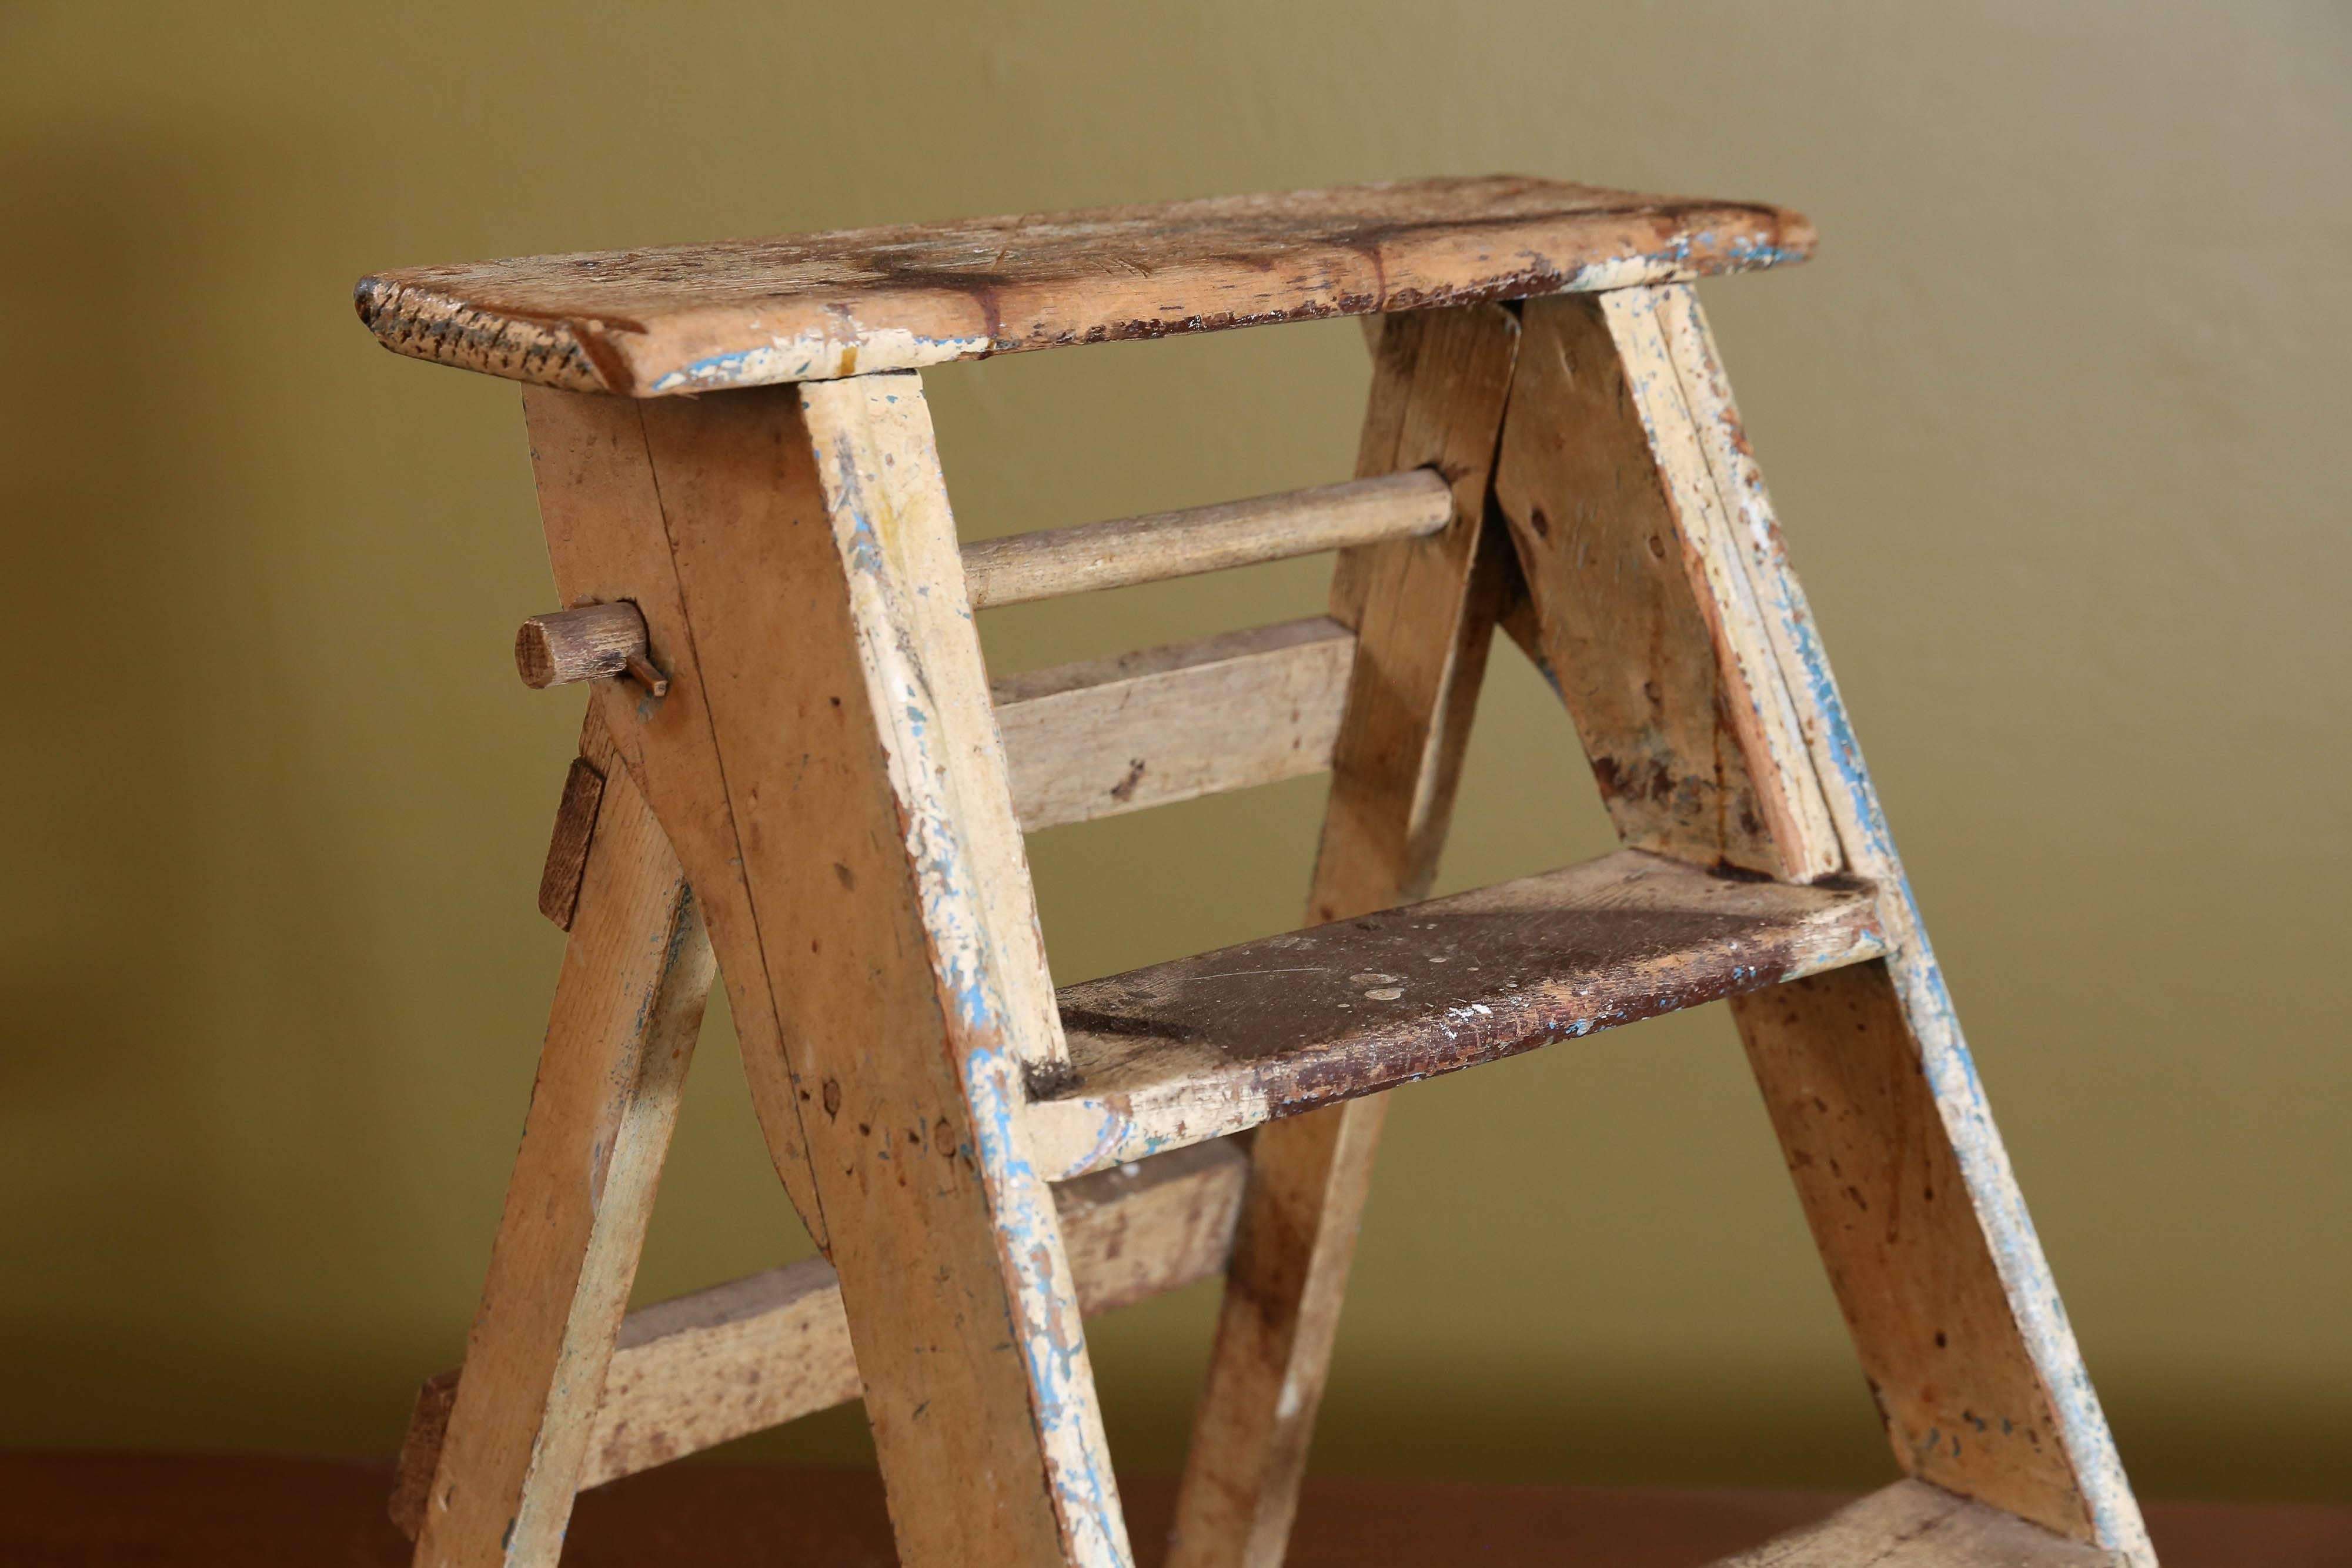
(594,642)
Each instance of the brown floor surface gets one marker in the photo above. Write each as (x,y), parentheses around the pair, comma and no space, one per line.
(82,1510)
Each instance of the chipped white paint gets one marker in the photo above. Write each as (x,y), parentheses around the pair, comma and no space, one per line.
(845,348)
(879,466)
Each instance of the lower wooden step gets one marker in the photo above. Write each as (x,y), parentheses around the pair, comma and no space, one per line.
(1914,1525)
(1206,1046)
(703,1369)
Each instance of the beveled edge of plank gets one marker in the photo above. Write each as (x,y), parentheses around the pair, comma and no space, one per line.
(1912,1524)
(487,316)
(1122,1251)
(1147,1085)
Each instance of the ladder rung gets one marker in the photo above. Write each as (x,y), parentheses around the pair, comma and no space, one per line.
(1173,724)
(721,1363)
(1021,568)
(1914,1525)
(1208,1045)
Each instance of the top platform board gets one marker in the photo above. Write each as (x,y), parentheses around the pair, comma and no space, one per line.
(737,313)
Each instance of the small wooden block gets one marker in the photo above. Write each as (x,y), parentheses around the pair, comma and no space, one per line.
(588,643)
(567,847)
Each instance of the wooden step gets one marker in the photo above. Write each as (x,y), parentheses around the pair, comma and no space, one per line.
(721,1363)
(1208,1045)
(1914,1525)
(735,313)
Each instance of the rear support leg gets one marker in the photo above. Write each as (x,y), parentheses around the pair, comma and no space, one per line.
(637,971)
(1425,612)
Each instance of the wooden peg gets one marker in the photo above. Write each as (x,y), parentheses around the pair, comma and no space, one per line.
(592,642)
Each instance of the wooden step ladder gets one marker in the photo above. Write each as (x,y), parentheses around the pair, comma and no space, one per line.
(793,759)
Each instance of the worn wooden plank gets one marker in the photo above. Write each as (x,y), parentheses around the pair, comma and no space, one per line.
(1023,567)
(839,821)
(867,802)
(739,1358)
(1882,1120)
(1147,728)
(2024,1357)
(1914,1525)
(1906,1249)
(602,509)
(567,845)
(1202,1047)
(696,318)
(628,1005)
(1425,608)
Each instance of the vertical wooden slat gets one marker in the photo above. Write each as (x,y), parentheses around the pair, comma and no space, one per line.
(1424,610)
(636,970)
(1664,606)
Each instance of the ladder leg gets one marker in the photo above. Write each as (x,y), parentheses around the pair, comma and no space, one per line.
(826,763)
(1665,608)
(1425,612)
(629,1003)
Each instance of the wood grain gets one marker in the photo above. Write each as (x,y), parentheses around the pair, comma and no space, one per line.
(628,1006)
(1205,1046)
(1913,1525)
(1023,567)
(875,830)
(601,504)
(1604,549)
(1149,728)
(697,318)
(1622,442)
(1425,609)
(739,1358)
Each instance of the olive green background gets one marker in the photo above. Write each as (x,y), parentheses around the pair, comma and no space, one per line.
(2056,425)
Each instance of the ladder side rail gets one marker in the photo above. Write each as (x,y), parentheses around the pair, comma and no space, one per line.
(2029,1295)
(638,968)
(860,806)
(1424,610)
(1640,522)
